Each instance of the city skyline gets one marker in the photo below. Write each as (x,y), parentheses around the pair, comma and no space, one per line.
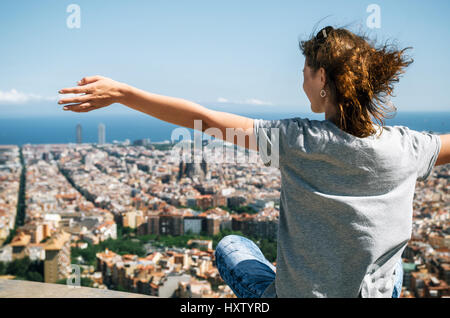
(95,193)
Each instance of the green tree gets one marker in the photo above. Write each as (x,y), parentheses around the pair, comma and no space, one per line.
(11,235)
(223,207)
(121,288)
(34,276)
(2,268)
(121,247)
(245,209)
(269,249)
(19,267)
(24,269)
(128,231)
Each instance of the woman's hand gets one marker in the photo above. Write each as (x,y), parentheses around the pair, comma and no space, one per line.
(98,92)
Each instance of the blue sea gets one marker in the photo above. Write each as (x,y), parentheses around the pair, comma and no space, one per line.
(62,129)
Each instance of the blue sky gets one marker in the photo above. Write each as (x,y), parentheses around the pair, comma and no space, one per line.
(240,56)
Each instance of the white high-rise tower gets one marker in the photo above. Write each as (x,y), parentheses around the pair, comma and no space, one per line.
(101,134)
(78,134)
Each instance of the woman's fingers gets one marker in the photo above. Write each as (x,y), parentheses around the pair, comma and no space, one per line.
(80,107)
(88,104)
(72,90)
(95,95)
(71,107)
(76,99)
(89,79)
(87,109)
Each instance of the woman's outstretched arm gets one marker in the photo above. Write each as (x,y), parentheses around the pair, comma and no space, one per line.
(100,92)
(444,154)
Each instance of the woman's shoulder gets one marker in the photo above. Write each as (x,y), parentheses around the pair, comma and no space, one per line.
(297,121)
(328,130)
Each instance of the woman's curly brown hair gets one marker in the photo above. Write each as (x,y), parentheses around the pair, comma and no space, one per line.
(359,76)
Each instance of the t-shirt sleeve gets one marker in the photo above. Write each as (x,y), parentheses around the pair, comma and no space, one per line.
(267,133)
(275,137)
(426,148)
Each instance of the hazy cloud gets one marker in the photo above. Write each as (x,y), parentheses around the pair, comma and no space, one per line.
(15,97)
(222,100)
(254,101)
(248,101)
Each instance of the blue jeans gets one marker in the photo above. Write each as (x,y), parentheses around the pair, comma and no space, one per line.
(398,280)
(244,268)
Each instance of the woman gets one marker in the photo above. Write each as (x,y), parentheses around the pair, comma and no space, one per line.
(347,184)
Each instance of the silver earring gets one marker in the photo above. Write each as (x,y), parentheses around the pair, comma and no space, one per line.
(323,93)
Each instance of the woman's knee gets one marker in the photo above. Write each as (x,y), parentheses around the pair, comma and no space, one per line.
(225,241)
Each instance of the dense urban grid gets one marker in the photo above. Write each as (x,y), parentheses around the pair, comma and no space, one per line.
(134,219)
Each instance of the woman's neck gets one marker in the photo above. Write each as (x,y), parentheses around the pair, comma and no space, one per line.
(331,114)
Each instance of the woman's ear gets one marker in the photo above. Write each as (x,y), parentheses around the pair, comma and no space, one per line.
(323,76)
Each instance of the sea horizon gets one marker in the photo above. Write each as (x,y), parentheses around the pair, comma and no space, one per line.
(60,129)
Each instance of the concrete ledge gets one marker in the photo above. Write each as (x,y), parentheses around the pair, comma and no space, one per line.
(27,289)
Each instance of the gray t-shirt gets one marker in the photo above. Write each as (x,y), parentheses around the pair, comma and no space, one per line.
(345,204)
